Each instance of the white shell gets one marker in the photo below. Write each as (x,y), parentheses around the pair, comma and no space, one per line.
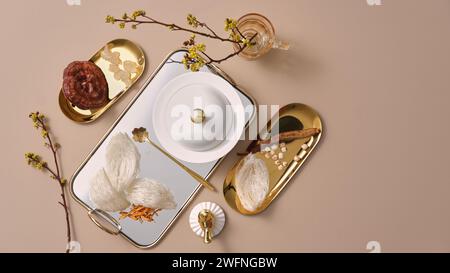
(219,218)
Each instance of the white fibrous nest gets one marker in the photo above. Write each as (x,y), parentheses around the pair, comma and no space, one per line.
(252,182)
(117,186)
(150,194)
(122,161)
(104,195)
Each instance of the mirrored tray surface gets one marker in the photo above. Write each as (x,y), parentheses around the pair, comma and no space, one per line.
(153,164)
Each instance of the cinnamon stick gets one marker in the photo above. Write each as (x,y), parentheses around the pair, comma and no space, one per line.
(255,146)
(290,135)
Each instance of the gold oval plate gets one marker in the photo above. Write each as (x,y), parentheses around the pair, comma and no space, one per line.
(128,51)
(294,116)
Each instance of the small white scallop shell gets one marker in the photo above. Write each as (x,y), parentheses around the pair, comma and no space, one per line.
(114,68)
(219,218)
(130,66)
(112,57)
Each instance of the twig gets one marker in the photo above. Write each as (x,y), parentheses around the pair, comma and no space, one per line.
(175,27)
(211,60)
(218,61)
(56,174)
(191,60)
(212,31)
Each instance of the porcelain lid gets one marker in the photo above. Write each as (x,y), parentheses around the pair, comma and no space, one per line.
(197,112)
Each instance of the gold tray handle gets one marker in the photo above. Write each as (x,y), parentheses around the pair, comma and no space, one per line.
(98,213)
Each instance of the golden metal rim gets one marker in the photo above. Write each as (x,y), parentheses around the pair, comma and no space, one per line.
(106,215)
(215,69)
(64,104)
(283,179)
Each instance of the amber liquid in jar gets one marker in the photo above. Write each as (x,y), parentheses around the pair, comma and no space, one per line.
(251,24)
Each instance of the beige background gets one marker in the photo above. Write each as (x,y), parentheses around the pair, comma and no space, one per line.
(379,76)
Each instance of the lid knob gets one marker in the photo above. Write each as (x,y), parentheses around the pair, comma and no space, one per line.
(198,115)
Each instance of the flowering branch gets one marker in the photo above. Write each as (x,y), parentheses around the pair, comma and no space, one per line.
(192,59)
(36,161)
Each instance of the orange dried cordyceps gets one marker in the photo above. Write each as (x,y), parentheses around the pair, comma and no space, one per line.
(140,213)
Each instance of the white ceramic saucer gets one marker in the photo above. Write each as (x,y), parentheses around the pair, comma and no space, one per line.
(219,218)
(198,142)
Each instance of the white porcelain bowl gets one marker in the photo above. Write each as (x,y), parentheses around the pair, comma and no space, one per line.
(198,142)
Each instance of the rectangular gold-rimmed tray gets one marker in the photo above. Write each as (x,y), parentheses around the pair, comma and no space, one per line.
(295,116)
(146,235)
(116,88)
